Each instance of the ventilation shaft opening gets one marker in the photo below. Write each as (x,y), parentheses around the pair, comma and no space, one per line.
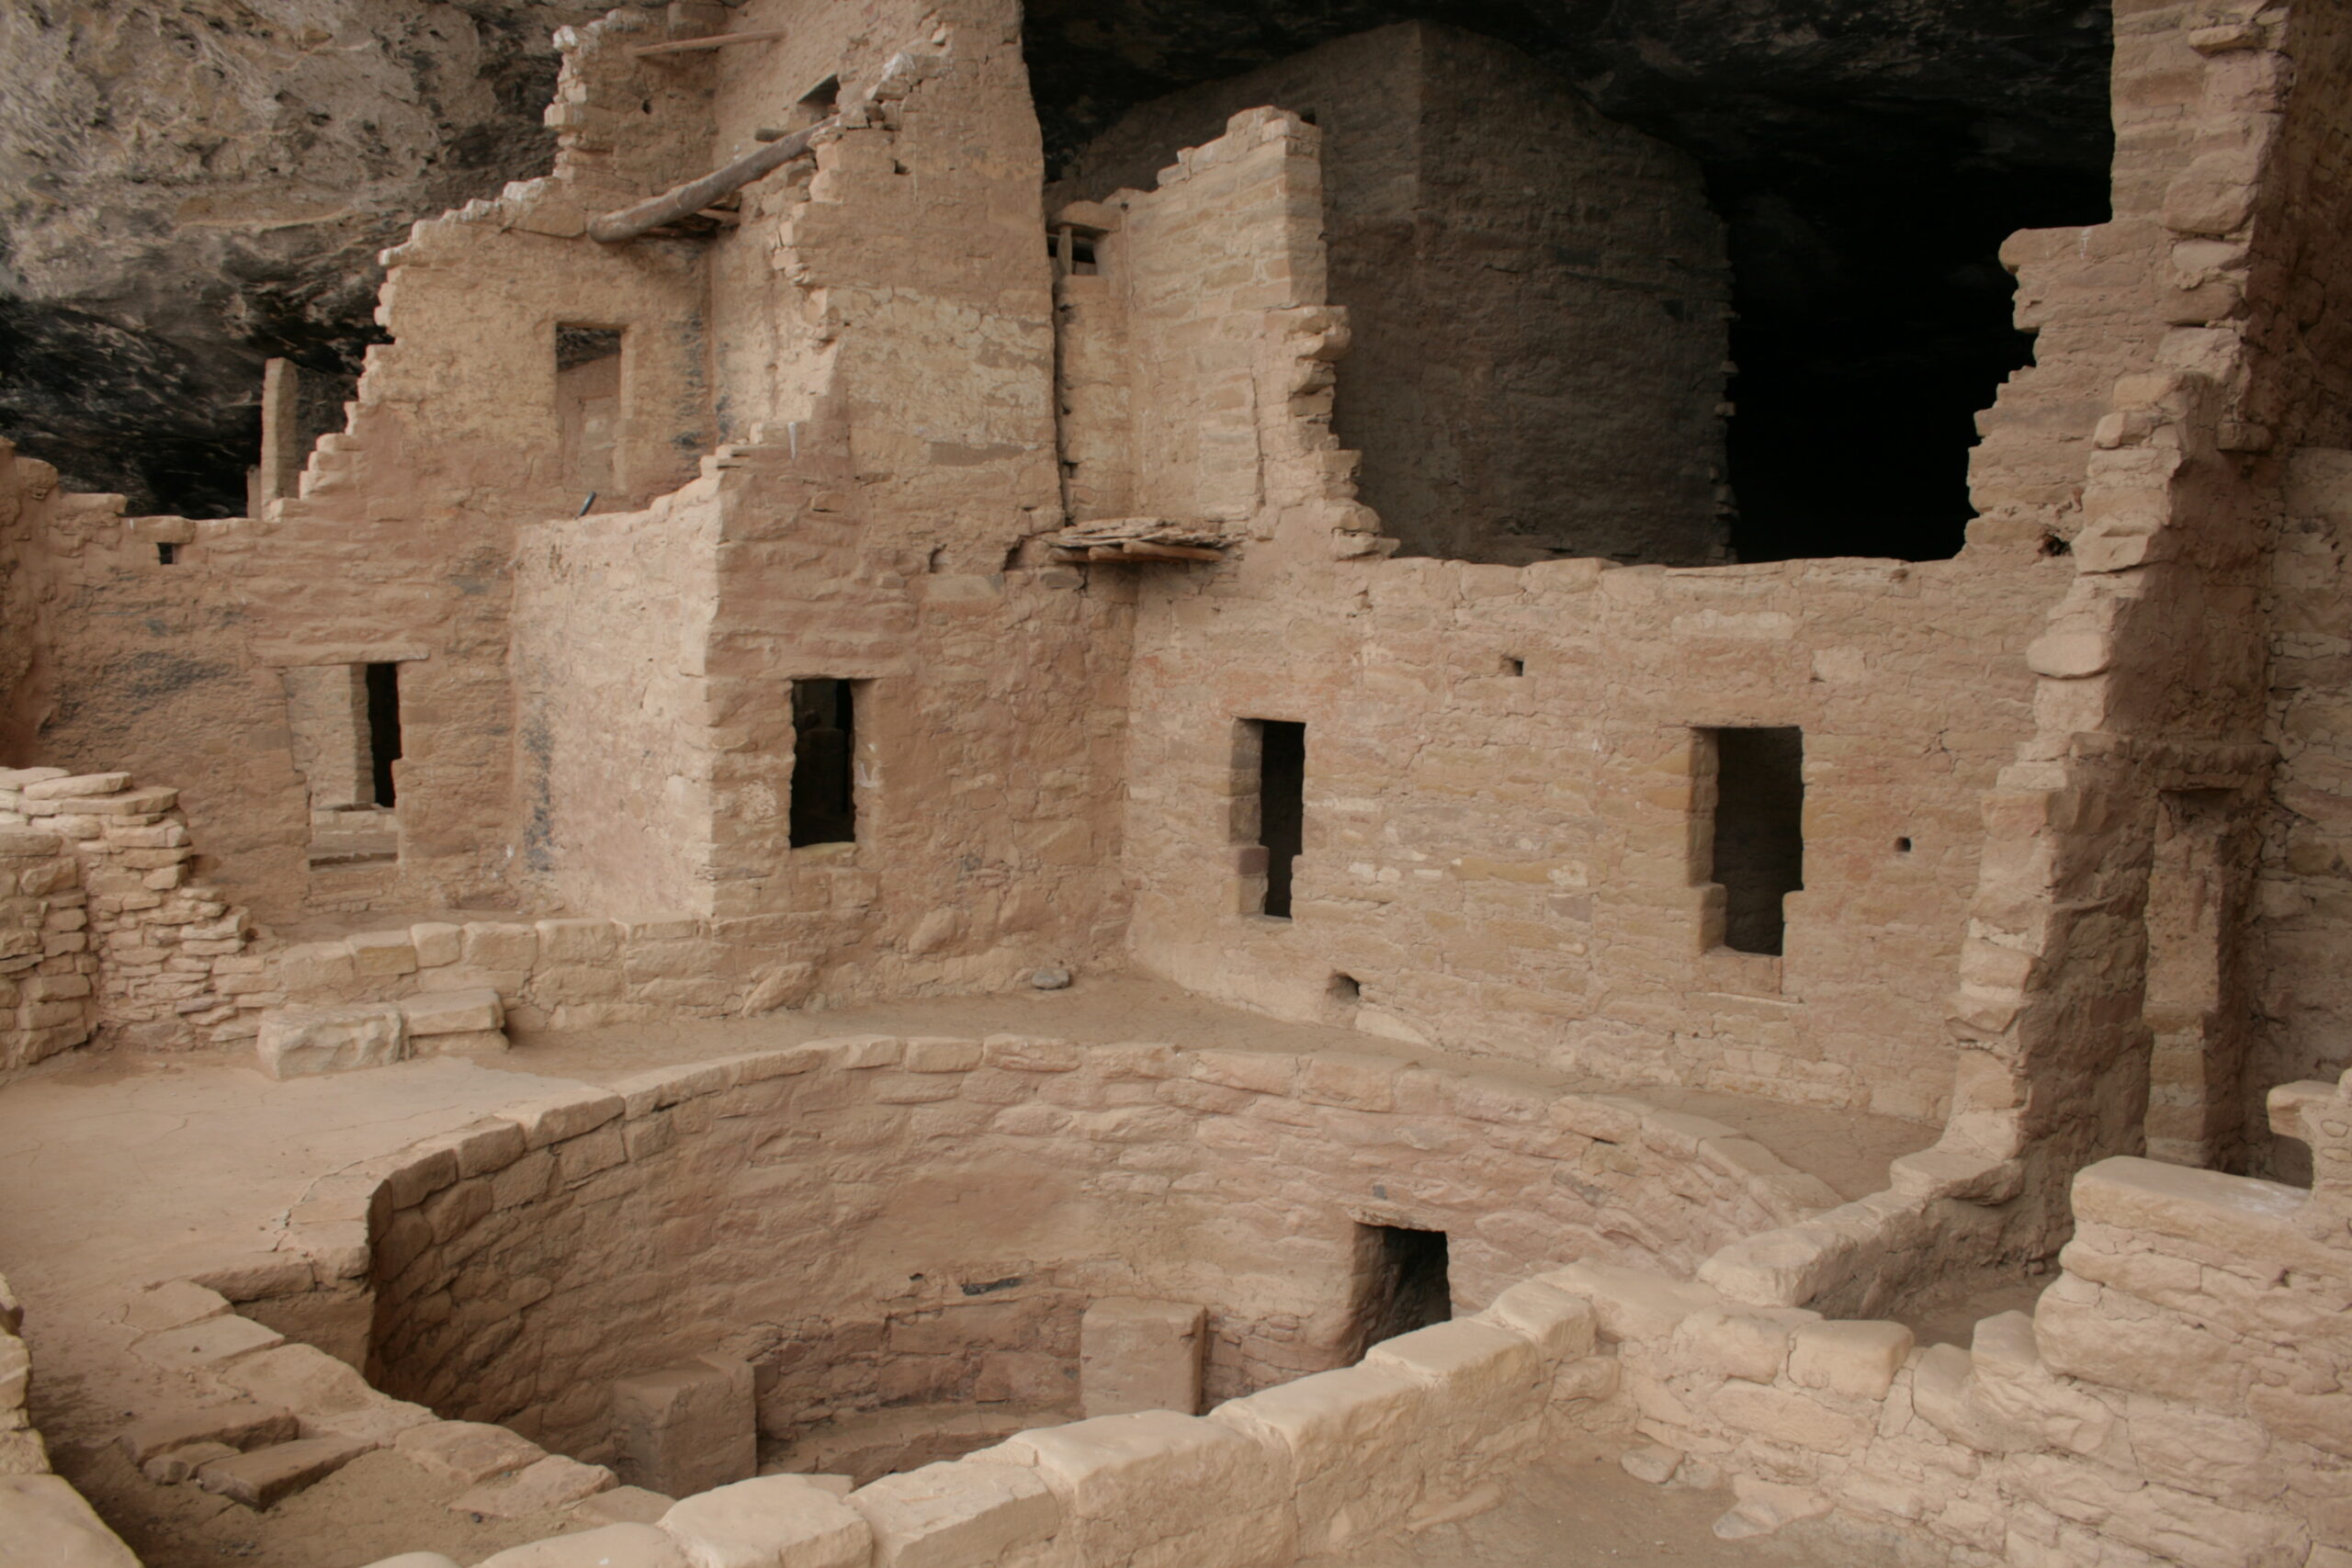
(1401,1283)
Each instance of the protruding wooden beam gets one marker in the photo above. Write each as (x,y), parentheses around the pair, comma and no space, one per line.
(691,45)
(684,201)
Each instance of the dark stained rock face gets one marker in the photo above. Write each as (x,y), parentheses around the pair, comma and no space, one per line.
(189,187)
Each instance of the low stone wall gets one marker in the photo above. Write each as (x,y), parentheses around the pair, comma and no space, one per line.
(565,973)
(47,1001)
(971,1196)
(2175,1400)
(105,927)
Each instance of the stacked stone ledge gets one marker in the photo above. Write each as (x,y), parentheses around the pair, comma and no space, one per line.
(102,927)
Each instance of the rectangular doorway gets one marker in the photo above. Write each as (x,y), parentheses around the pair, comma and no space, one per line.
(1402,1283)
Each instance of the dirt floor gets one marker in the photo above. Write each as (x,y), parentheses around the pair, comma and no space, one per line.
(121,1168)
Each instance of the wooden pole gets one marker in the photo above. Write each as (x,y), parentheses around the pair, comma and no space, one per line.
(688,46)
(680,202)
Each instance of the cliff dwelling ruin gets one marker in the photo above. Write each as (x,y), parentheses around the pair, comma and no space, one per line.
(1179,785)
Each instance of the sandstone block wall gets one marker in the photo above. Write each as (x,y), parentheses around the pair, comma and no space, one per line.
(514,1267)
(1536,295)
(106,928)
(2306,872)
(1530,877)
(2168,1403)
(48,995)
(2155,1408)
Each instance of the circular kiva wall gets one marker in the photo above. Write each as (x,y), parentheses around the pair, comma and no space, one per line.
(878,1222)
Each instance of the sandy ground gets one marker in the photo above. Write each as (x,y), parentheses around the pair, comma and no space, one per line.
(120,1168)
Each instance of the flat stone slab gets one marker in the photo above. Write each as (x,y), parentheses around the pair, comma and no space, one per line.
(624,1505)
(768,1523)
(267,1475)
(303,1042)
(552,1483)
(206,1344)
(615,1546)
(241,1424)
(454,1012)
(467,1452)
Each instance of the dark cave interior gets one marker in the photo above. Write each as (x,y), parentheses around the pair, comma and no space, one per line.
(1868,158)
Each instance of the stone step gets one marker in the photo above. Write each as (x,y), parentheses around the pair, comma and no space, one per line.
(267,1476)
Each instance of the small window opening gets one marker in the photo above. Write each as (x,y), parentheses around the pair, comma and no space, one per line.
(344,723)
(1903,846)
(1346,990)
(1401,1284)
(1282,806)
(1759,848)
(1514,666)
(2055,545)
(1073,251)
(384,728)
(588,403)
(824,740)
(168,554)
(820,102)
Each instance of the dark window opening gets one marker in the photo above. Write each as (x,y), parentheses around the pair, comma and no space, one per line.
(383,727)
(1903,846)
(1073,251)
(1864,195)
(820,102)
(1759,854)
(1514,666)
(168,554)
(1346,989)
(1401,1284)
(1282,806)
(825,739)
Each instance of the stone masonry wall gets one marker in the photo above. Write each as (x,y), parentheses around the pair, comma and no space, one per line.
(2168,1405)
(113,930)
(46,969)
(519,1268)
(2306,874)
(1530,877)
(2150,666)
(1536,295)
